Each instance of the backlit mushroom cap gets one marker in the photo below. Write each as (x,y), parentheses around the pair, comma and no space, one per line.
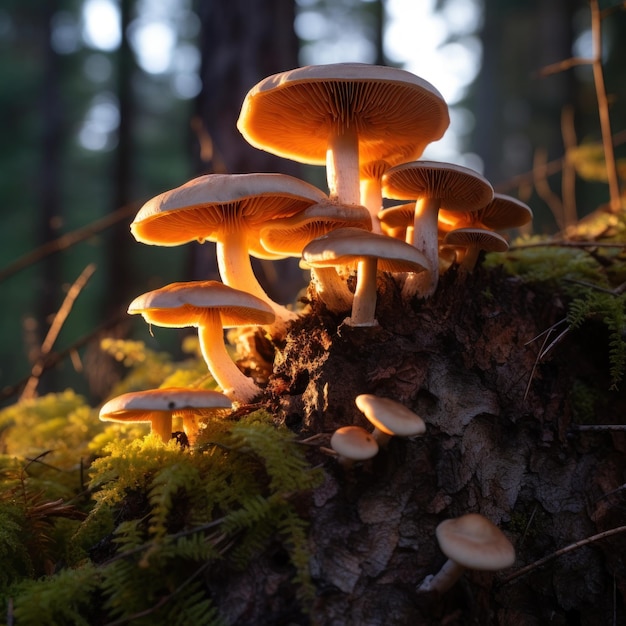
(475,543)
(288,236)
(208,206)
(228,209)
(353,443)
(398,219)
(395,113)
(389,417)
(186,303)
(210,306)
(160,406)
(344,115)
(457,188)
(369,252)
(501,213)
(473,240)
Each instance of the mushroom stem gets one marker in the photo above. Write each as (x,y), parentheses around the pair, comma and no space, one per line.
(342,166)
(234,383)
(444,579)
(235,268)
(371,196)
(382,438)
(162,426)
(332,289)
(426,241)
(364,304)
(468,258)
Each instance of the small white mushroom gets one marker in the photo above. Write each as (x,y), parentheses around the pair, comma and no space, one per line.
(352,444)
(470,542)
(389,418)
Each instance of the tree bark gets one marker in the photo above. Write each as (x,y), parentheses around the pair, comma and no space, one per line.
(500,441)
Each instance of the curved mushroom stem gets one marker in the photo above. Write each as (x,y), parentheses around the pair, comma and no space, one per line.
(235,268)
(234,383)
(364,304)
(342,166)
(445,578)
(332,289)
(161,425)
(426,241)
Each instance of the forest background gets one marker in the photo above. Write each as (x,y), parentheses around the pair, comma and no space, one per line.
(93,129)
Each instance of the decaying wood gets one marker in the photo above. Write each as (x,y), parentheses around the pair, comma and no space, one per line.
(497,443)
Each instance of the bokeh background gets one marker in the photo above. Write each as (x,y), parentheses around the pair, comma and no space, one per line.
(106,103)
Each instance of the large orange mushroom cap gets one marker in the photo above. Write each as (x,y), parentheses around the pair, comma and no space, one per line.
(395,113)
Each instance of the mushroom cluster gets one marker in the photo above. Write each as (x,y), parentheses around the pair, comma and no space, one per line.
(368,125)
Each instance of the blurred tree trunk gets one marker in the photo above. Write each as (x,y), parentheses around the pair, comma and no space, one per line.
(242,42)
(49,177)
(517,111)
(120,274)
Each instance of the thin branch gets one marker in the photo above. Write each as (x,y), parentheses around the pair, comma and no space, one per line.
(66,241)
(603,106)
(574,546)
(30,389)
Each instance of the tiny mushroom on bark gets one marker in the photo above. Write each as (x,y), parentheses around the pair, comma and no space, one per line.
(470,542)
(210,306)
(471,241)
(352,444)
(344,115)
(434,185)
(369,252)
(228,209)
(161,406)
(389,418)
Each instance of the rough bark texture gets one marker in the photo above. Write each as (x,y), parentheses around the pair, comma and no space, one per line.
(499,442)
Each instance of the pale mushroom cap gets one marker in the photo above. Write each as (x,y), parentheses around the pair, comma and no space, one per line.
(346,246)
(389,416)
(458,188)
(139,406)
(399,216)
(290,235)
(208,206)
(183,304)
(395,113)
(475,542)
(505,212)
(501,213)
(484,239)
(354,443)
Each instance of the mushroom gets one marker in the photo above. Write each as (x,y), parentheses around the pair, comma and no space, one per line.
(352,444)
(502,213)
(472,241)
(160,406)
(369,252)
(389,417)
(470,542)
(228,209)
(210,306)
(291,234)
(434,185)
(344,115)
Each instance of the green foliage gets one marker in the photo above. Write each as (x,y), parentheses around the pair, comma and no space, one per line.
(589,279)
(160,521)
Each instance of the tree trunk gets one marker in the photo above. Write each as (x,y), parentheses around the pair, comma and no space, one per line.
(500,441)
(241,43)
